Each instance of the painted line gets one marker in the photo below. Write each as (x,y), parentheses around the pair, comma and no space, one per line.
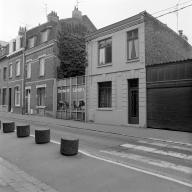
(130,167)
(163,144)
(170,141)
(157,151)
(150,161)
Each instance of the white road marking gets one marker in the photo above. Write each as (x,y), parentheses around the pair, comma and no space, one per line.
(156,162)
(131,167)
(157,151)
(170,141)
(170,145)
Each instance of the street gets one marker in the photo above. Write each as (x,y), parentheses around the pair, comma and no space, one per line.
(106,162)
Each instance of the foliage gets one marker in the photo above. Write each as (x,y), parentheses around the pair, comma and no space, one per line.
(72,50)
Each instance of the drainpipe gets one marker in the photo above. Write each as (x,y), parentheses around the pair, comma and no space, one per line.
(23,91)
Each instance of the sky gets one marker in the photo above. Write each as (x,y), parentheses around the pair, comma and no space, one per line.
(30,13)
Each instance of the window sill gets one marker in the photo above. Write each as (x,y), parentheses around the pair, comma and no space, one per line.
(105,109)
(104,65)
(133,60)
(40,107)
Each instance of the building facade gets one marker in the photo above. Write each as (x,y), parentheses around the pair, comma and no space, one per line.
(117,58)
(30,67)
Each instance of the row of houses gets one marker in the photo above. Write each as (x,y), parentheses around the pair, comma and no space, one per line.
(139,74)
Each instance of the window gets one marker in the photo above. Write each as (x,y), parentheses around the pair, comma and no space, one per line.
(4,96)
(31,42)
(4,73)
(105,94)
(132,44)
(17,96)
(18,68)
(14,45)
(42,66)
(28,70)
(44,35)
(10,71)
(105,51)
(41,96)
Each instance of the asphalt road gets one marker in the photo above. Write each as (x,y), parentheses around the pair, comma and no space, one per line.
(106,162)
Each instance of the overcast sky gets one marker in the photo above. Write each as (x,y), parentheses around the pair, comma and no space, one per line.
(15,13)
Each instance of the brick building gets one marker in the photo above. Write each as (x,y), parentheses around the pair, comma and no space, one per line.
(117,58)
(32,66)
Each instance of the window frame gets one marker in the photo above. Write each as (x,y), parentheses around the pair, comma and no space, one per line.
(18,68)
(40,104)
(10,70)
(31,42)
(4,73)
(4,94)
(17,96)
(41,72)
(107,95)
(28,70)
(43,37)
(104,48)
(132,39)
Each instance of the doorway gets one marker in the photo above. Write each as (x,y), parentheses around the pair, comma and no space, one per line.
(28,100)
(133,101)
(9,103)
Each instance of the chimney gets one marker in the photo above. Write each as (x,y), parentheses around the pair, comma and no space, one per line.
(21,31)
(76,13)
(52,17)
(182,35)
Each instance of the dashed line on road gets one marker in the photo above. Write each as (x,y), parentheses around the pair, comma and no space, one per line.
(129,167)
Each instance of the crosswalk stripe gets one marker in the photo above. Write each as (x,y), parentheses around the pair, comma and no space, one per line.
(155,162)
(157,151)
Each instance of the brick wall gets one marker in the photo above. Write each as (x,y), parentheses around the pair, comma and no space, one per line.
(162,44)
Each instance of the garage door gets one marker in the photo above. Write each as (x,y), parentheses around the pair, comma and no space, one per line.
(170,108)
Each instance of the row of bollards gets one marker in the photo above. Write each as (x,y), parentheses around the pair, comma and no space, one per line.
(68,146)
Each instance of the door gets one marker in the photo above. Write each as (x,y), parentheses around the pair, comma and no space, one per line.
(28,101)
(133,101)
(9,103)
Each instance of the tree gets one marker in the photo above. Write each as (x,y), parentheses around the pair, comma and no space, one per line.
(72,50)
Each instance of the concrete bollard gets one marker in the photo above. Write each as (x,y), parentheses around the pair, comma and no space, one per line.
(8,127)
(42,136)
(23,130)
(69,146)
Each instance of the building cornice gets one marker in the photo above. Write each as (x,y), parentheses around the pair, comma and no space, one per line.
(39,48)
(135,20)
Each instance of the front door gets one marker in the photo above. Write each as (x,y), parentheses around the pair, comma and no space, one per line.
(9,105)
(133,101)
(28,99)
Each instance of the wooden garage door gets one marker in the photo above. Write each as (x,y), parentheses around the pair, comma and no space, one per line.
(170,108)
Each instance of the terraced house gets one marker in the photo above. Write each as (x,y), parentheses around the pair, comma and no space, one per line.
(31,66)
(117,58)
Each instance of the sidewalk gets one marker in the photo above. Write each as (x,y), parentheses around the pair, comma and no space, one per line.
(176,136)
(13,179)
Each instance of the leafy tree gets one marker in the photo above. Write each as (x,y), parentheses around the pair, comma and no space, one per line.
(72,50)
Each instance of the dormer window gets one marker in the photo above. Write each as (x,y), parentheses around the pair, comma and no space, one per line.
(31,42)
(45,35)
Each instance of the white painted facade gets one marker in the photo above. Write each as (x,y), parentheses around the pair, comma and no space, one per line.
(119,72)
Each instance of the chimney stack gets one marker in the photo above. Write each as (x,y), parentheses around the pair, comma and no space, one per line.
(52,17)
(182,35)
